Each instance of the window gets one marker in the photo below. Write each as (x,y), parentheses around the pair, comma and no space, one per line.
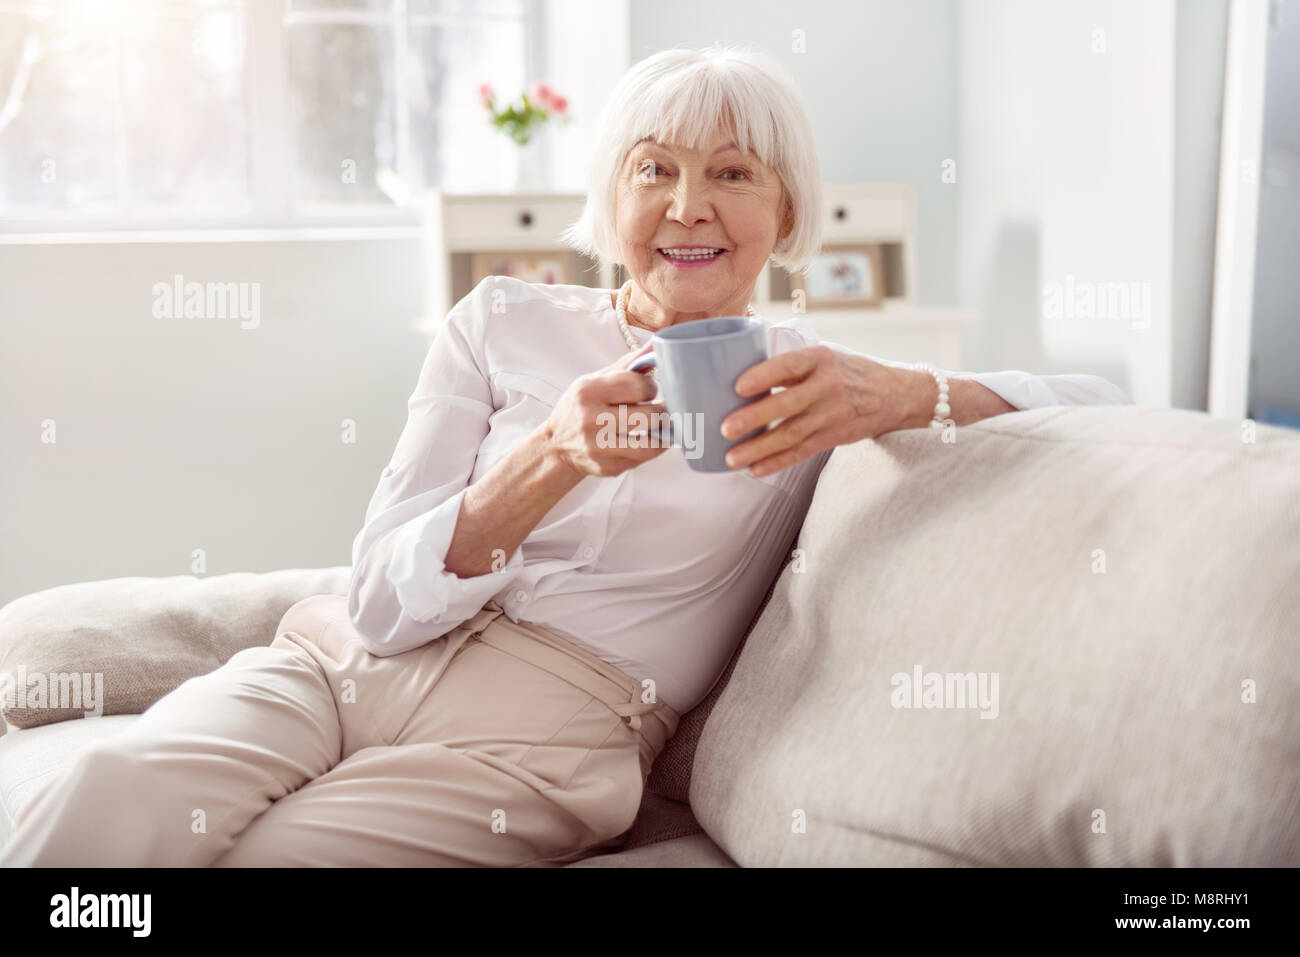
(121,113)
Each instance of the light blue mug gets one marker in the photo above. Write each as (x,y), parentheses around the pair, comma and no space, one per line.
(698,363)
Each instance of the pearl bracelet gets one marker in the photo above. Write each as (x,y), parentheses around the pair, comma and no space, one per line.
(941,408)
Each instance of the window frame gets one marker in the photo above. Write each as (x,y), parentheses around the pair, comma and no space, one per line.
(270,149)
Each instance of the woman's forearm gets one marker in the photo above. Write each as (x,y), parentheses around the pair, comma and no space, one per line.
(968,400)
(505,505)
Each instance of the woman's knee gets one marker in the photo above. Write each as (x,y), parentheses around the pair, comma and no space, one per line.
(310,615)
(110,765)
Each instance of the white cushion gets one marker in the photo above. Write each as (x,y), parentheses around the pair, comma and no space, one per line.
(31,758)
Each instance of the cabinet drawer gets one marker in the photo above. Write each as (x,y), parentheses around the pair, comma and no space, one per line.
(508,224)
(855,217)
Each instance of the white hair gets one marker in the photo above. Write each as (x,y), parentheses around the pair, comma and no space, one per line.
(680,97)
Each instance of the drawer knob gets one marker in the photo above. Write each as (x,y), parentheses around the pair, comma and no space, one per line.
(525,218)
(841,213)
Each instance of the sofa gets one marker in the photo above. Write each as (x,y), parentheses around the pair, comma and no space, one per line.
(1066,636)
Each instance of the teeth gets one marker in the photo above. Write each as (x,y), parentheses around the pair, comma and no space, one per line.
(691,253)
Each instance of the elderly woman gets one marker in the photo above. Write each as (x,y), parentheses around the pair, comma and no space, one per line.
(532,606)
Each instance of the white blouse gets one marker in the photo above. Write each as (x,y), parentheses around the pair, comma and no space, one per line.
(658,570)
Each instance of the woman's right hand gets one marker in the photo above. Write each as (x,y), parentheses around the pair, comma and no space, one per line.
(584,430)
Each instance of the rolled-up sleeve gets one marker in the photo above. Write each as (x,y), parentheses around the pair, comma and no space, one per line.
(400,594)
(1024,390)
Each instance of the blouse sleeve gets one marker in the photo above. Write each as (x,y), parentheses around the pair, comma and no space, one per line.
(400,594)
(1024,390)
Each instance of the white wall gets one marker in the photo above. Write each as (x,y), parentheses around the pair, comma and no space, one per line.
(179,434)
(587,51)
(1066,169)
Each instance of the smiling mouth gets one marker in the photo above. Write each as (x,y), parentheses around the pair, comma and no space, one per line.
(699,255)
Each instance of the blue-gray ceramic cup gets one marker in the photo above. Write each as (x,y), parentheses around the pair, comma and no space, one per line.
(698,363)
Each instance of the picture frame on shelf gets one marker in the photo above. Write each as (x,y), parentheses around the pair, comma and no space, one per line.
(843,275)
(548,266)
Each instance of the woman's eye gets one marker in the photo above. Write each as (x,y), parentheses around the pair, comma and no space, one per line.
(740,171)
(651,170)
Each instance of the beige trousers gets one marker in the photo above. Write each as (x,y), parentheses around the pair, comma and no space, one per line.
(497,744)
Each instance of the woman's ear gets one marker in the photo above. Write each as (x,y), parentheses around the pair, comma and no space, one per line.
(787,223)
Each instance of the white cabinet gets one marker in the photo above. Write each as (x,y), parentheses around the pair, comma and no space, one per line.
(456,226)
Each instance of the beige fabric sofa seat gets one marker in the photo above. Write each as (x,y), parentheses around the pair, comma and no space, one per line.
(1067,638)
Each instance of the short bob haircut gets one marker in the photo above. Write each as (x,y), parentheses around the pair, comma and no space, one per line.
(679,97)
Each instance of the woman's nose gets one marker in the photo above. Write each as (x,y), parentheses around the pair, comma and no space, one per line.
(691,202)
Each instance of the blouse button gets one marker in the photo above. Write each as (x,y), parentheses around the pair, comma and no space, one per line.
(387,472)
(588,552)
(521,595)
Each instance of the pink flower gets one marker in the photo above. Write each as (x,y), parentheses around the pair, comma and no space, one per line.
(485,94)
(540,92)
(559,104)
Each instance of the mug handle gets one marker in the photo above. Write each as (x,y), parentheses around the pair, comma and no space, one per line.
(647,361)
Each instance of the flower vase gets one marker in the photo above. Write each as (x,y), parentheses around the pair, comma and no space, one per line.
(529,174)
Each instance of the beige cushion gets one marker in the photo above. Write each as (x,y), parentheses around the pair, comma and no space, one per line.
(145,636)
(1120,692)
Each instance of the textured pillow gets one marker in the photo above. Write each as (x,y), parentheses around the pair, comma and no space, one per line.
(1128,575)
(144,636)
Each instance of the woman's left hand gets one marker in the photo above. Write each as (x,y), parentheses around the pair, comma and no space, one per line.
(828,398)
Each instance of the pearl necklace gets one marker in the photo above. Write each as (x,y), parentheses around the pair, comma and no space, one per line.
(620,310)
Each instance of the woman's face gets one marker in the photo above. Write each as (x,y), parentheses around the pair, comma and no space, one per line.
(717,197)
